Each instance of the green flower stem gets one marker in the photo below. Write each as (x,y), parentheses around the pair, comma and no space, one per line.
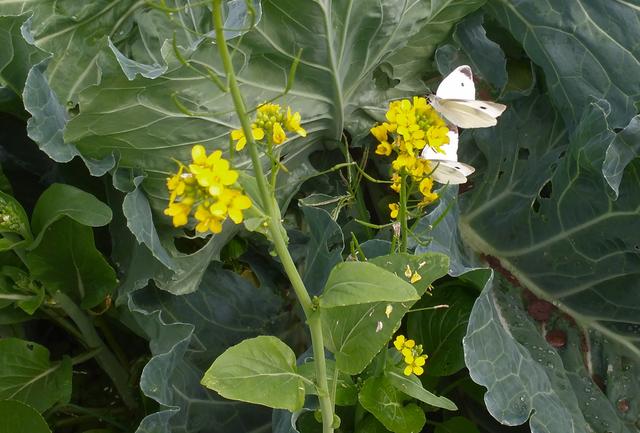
(105,358)
(276,229)
(402,214)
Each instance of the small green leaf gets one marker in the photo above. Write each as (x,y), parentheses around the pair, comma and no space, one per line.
(259,370)
(355,333)
(27,375)
(16,417)
(67,260)
(61,200)
(346,391)
(386,403)
(353,283)
(457,424)
(412,386)
(13,219)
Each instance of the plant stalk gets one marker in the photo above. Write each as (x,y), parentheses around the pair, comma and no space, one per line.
(106,359)
(402,214)
(276,229)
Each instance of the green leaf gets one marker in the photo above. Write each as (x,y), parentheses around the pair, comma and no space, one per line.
(586,48)
(440,331)
(353,283)
(354,334)
(386,403)
(457,424)
(346,391)
(412,386)
(370,424)
(27,375)
(67,260)
(16,417)
(60,200)
(259,370)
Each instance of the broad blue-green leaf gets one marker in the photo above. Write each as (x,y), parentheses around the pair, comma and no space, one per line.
(410,62)
(28,375)
(260,370)
(355,334)
(485,57)
(186,334)
(60,200)
(412,386)
(17,56)
(586,48)
(440,330)
(548,221)
(324,247)
(18,417)
(66,260)
(387,404)
(352,283)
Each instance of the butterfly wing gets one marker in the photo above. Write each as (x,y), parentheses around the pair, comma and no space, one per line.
(451,172)
(458,85)
(469,114)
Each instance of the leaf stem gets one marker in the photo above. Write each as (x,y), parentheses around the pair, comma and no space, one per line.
(276,229)
(107,361)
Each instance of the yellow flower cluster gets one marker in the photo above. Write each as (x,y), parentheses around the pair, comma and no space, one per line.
(271,122)
(206,185)
(412,355)
(411,126)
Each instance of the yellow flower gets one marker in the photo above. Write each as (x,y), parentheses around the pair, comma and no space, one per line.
(207,221)
(238,136)
(397,182)
(425,187)
(179,211)
(292,123)
(401,344)
(279,135)
(394,208)
(208,185)
(384,148)
(380,132)
(437,136)
(414,365)
(404,160)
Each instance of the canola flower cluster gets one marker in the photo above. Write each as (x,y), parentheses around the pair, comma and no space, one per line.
(207,189)
(410,126)
(411,354)
(271,122)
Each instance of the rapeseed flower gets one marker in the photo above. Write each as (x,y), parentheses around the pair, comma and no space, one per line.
(412,355)
(208,184)
(271,123)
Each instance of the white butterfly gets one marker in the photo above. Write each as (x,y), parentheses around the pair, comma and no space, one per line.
(448,170)
(455,99)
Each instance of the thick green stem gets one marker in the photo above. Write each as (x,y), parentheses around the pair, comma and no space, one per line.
(275,227)
(105,358)
(402,214)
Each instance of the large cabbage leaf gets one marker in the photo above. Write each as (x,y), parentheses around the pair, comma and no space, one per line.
(555,335)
